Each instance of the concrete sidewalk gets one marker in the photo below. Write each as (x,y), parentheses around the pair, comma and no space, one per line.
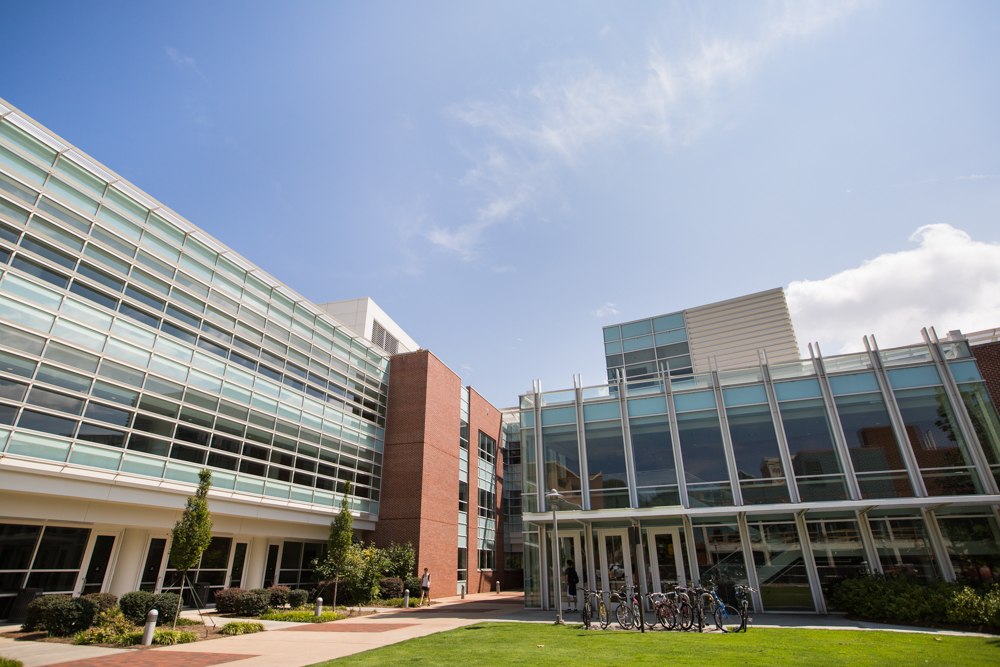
(297,645)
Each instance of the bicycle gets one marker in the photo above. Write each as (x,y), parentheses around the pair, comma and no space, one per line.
(664,610)
(685,611)
(628,611)
(741,595)
(721,611)
(603,617)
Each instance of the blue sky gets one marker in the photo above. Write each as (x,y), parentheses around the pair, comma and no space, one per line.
(505,178)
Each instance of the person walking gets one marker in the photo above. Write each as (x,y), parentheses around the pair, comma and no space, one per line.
(572,579)
(425,588)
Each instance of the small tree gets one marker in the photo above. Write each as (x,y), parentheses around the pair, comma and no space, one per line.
(338,544)
(401,560)
(192,534)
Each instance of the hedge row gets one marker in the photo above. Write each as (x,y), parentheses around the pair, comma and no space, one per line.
(63,616)
(906,599)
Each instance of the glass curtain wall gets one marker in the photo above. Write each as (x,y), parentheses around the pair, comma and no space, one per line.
(871,441)
(941,451)
(982,411)
(818,472)
(838,550)
(705,468)
(652,450)
(755,446)
(720,553)
(781,570)
(561,454)
(605,455)
(903,546)
(972,539)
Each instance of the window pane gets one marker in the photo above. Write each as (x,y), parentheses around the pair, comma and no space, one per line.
(606,465)
(701,447)
(562,461)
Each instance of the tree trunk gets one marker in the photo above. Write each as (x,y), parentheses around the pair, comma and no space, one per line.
(180,599)
(335,582)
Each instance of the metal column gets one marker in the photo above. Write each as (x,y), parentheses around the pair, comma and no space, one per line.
(937,544)
(838,431)
(751,567)
(819,602)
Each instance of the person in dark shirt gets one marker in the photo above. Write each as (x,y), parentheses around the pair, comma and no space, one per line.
(572,579)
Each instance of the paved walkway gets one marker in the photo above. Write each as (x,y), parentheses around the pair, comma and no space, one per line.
(297,645)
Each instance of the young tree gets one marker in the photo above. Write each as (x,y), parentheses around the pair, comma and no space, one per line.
(192,534)
(402,560)
(338,544)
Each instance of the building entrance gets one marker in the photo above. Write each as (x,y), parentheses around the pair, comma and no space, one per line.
(666,564)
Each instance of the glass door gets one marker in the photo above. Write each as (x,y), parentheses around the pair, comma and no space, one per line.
(152,572)
(666,562)
(570,552)
(100,559)
(616,563)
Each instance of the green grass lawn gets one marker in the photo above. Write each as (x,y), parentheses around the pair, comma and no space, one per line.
(517,644)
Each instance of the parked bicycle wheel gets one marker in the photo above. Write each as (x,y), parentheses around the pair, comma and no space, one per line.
(666,616)
(603,617)
(624,615)
(586,614)
(728,618)
(685,616)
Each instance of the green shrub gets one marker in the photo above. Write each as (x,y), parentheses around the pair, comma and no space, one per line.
(189,621)
(35,616)
(298,598)
(301,616)
(279,595)
(111,626)
(160,638)
(241,628)
(413,585)
(10,662)
(225,600)
(102,602)
(398,602)
(166,604)
(907,599)
(391,587)
(252,603)
(265,592)
(402,560)
(136,605)
(66,616)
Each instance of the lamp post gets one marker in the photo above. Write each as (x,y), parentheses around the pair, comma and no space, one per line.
(554,497)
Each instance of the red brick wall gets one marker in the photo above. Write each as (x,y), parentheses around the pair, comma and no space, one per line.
(988,358)
(419,494)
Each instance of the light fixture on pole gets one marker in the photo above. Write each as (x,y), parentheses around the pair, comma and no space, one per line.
(554,497)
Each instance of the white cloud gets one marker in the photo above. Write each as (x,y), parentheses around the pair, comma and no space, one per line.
(183,61)
(976,177)
(575,106)
(606,310)
(949,281)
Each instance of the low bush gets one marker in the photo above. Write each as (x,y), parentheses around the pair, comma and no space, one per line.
(66,616)
(160,638)
(301,616)
(252,603)
(225,600)
(136,605)
(241,628)
(189,621)
(279,595)
(391,587)
(398,602)
(166,604)
(111,627)
(34,618)
(10,662)
(263,591)
(904,598)
(413,585)
(298,598)
(102,602)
